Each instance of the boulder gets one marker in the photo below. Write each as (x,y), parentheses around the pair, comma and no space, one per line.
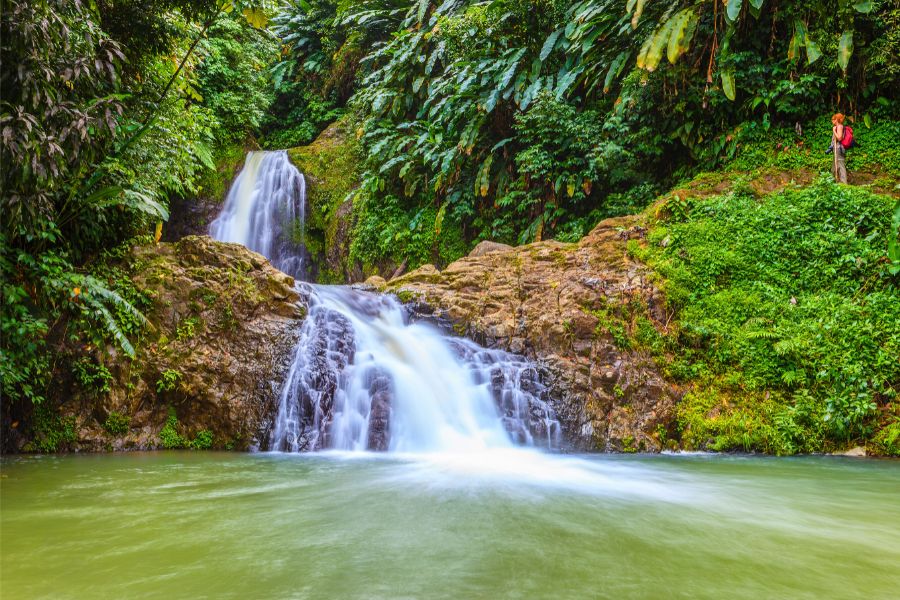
(488,247)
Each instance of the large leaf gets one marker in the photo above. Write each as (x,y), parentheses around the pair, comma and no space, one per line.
(550,44)
(638,11)
(863,6)
(614,69)
(728,84)
(812,51)
(845,49)
(683,28)
(733,9)
(256,17)
(660,40)
(794,46)
(642,53)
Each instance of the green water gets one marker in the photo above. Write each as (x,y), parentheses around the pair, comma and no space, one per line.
(510,525)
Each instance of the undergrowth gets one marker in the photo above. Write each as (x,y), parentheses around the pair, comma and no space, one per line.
(788,318)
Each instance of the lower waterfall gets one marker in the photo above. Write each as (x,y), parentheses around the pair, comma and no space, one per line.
(365,378)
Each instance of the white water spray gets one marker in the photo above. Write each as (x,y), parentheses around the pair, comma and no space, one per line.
(265,210)
(364,378)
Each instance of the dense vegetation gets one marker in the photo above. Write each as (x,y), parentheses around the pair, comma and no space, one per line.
(108,110)
(519,120)
(510,120)
(787,315)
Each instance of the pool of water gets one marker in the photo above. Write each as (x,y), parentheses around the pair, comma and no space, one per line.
(504,524)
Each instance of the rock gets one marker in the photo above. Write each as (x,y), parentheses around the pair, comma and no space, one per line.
(488,247)
(224,323)
(375,282)
(858,451)
(379,435)
(563,306)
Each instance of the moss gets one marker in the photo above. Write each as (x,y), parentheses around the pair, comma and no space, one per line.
(330,166)
(405,296)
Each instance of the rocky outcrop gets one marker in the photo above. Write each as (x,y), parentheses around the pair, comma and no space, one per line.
(330,165)
(574,309)
(208,368)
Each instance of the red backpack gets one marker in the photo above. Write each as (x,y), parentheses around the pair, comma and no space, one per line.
(847,142)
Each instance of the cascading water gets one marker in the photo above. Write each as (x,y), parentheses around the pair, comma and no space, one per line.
(265,211)
(363,376)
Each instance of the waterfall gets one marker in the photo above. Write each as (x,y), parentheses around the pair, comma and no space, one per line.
(363,376)
(265,210)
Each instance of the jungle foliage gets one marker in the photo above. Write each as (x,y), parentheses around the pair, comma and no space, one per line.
(517,120)
(108,108)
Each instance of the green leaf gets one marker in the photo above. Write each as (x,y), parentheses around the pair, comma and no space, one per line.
(733,9)
(439,220)
(812,52)
(683,28)
(863,6)
(614,69)
(550,44)
(794,46)
(757,4)
(728,84)
(660,41)
(845,49)
(642,53)
(867,119)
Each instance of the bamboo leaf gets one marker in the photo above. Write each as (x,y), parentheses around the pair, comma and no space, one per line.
(845,49)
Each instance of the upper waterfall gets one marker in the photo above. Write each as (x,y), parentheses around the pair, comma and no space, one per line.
(265,210)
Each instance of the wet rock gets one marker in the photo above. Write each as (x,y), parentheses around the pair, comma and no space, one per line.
(858,451)
(379,434)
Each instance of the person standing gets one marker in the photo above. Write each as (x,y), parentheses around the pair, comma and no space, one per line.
(839,168)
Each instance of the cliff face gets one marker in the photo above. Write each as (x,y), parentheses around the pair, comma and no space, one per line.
(208,370)
(574,308)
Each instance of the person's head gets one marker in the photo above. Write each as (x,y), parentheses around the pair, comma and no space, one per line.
(837,119)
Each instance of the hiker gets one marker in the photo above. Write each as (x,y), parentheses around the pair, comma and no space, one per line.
(839,168)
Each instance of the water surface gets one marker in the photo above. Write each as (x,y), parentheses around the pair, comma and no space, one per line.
(501,524)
